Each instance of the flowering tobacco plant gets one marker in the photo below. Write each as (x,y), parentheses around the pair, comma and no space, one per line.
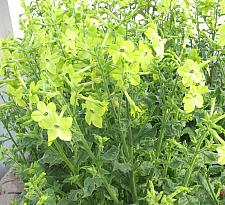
(116,102)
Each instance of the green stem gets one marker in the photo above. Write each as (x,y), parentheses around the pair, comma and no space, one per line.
(123,137)
(92,156)
(216,136)
(131,156)
(64,157)
(117,116)
(159,145)
(13,140)
(211,190)
(6,81)
(193,161)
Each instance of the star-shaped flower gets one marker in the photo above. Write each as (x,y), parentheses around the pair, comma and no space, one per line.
(191,73)
(144,56)
(127,71)
(69,39)
(48,61)
(60,128)
(194,98)
(122,50)
(94,111)
(42,115)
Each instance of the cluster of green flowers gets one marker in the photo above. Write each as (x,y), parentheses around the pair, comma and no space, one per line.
(57,125)
(129,61)
(194,80)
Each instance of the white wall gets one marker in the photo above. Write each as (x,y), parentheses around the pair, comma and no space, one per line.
(15,10)
(5,22)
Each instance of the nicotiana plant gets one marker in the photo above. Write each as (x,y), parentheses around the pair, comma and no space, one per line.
(116,102)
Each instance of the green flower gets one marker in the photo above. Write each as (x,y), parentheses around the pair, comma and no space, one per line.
(157,42)
(43,114)
(127,71)
(60,128)
(74,77)
(191,73)
(144,56)
(194,98)
(17,93)
(48,61)
(221,154)
(122,50)
(69,39)
(33,97)
(94,111)
(134,109)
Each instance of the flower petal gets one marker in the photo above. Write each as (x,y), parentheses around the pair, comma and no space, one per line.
(198,101)
(64,134)
(41,106)
(37,116)
(66,122)
(52,135)
(51,107)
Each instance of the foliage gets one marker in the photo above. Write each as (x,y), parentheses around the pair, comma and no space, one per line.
(116,102)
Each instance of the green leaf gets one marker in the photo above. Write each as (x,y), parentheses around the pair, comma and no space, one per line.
(123,167)
(111,154)
(50,157)
(89,186)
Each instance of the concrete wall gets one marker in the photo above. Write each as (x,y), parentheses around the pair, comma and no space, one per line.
(10,11)
(5,20)
(5,30)
(15,10)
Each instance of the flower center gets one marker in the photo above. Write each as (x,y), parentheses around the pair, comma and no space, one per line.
(122,50)
(56,126)
(45,114)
